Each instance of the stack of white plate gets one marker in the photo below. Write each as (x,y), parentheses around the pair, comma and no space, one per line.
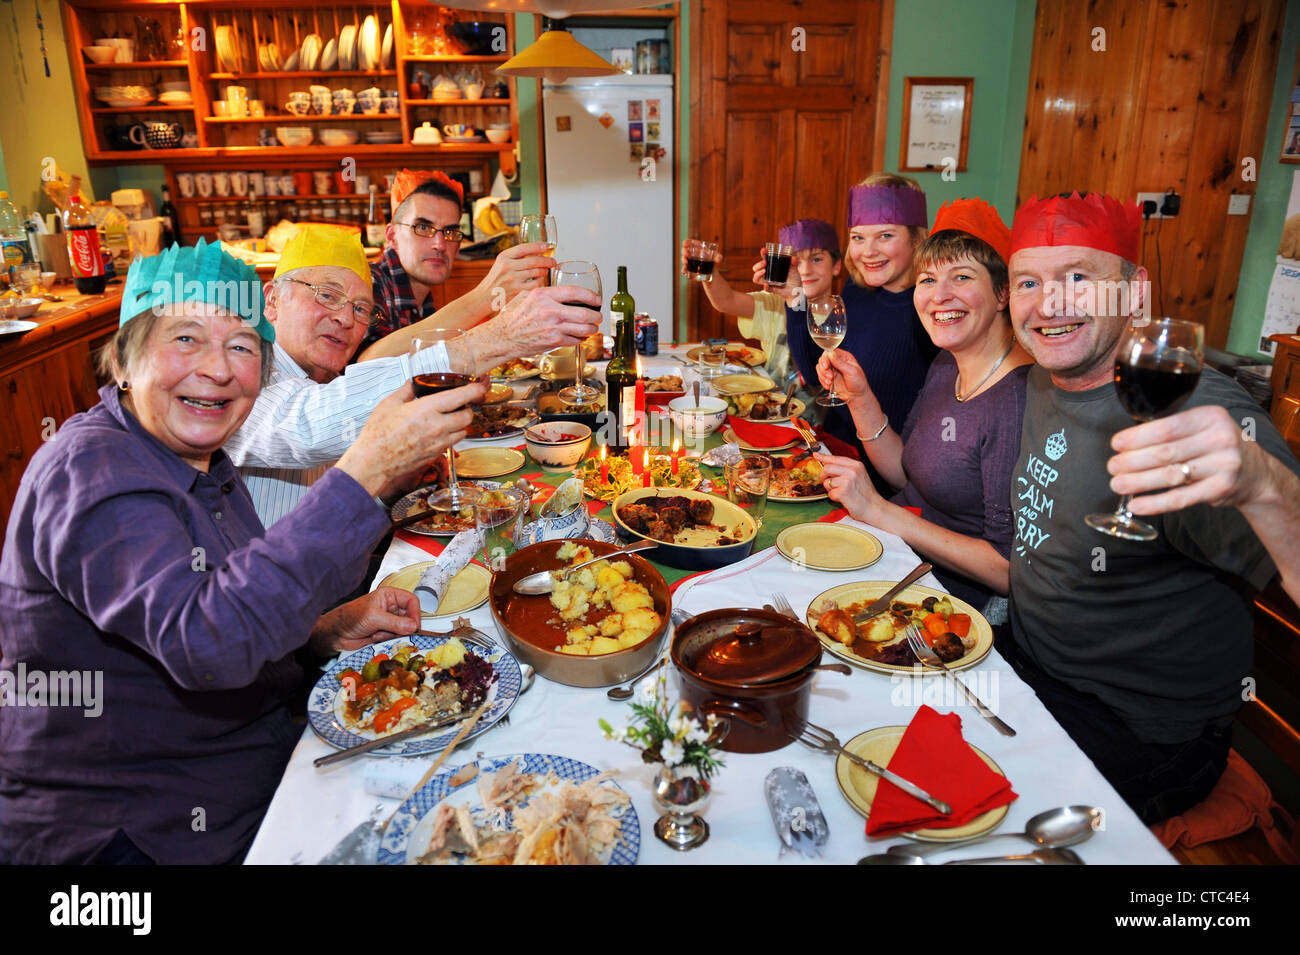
(329,57)
(383,138)
(368,44)
(310,53)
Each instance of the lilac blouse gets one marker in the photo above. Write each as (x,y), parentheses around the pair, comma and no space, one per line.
(124,564)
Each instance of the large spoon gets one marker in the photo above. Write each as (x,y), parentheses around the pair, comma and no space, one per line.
(543,582)
(1037,856)
(1053,829)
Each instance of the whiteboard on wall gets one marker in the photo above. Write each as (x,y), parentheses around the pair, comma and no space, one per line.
(936,123)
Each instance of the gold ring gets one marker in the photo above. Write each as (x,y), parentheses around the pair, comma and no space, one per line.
(1187,471)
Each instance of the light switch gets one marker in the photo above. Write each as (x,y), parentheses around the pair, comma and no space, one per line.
(1239,204)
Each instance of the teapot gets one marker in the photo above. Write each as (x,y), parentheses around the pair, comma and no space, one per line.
(120,137)
(157,135)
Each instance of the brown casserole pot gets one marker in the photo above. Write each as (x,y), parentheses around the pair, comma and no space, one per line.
(754,667)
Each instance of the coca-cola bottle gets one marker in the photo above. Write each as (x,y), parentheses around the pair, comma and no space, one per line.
(83,248)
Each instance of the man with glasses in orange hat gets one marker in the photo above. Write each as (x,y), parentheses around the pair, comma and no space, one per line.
(321,304)
(422,242)
(1140,649)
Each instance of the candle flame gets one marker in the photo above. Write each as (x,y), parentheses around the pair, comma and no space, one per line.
(602,452)
(676,442)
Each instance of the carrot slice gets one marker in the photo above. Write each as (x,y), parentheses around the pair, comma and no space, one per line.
(935,626)
(386,718)
(959,623)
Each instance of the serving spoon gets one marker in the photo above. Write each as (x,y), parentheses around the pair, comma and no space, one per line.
(1053,829)
(543,582)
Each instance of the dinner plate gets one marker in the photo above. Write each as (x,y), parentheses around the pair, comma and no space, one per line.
(386,56)
(411,827)
(744,384)
(597,530)
(859,786)
(348,47)
(329,57)
(417,501)
(752,355)
(368,44)
(835,547)
(530,373)
(508,431)
(462,139)
(868,590)
(325,705)
(745,445)
(16,327)
(291,64)
(310,52)
(488,462)
(797,408)
(467,590)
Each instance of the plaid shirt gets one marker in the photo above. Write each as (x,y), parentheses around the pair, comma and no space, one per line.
(394,299)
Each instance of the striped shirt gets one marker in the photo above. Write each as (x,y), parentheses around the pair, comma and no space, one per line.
(299,428)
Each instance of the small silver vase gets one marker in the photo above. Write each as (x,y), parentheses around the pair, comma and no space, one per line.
(681,795)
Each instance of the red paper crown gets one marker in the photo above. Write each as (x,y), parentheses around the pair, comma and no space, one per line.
(408,180)
(1093,220)
(975,217)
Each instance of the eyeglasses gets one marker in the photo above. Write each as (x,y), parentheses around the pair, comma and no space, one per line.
(427,230)
(364,313)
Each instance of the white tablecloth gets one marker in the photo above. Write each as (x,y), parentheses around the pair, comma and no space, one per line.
(313,809)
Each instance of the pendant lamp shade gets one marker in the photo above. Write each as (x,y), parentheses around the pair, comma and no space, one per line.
(557,56)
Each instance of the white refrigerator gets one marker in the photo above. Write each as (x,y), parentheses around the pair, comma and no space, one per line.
(609,183)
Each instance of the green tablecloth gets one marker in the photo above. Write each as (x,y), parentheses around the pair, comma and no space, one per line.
(779,514)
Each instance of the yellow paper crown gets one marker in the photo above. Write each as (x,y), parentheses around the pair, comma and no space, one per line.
(316,245)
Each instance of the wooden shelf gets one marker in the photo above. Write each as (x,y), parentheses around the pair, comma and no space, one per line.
(111,110)
(288,119)
(494,58)
(142,65)
(484,101)
(359,196)
(298,74)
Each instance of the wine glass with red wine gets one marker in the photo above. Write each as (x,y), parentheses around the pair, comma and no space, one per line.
(584,275)
(459,365)
(1156,369)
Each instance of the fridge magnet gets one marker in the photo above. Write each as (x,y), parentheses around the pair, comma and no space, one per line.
(634,133)
(652,109)
(636,151)
(650,147)
(606,120)
(659,152)
(651,130)
(623,58)
(563,124)
(634,109)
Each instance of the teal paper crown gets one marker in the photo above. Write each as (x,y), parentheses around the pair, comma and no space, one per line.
(198,273)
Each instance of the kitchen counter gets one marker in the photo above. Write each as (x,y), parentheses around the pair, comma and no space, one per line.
(48,374)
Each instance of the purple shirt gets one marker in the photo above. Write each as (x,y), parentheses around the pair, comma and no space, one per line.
(959,458)
(121,559)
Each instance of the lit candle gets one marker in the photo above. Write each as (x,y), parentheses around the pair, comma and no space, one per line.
(604,467)
(639,399)
(676,454)
(636,459)
(645,464)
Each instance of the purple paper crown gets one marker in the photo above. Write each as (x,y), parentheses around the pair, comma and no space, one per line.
(810,234)
(887,205)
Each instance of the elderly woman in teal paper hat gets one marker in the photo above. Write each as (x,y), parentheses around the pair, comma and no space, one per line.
(148,619)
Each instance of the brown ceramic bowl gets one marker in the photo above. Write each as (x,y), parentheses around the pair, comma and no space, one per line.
(517,619)
(763,690)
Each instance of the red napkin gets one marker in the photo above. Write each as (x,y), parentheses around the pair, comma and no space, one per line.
(430,545)
(762,435)
(933,755)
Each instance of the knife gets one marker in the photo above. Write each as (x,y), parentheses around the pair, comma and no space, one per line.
(789,398)
(433,724)
(882,604)
(909,787)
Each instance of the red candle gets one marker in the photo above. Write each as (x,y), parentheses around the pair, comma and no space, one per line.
(632,456)
(676,454)
(645,464)
(604,467)
(639,400)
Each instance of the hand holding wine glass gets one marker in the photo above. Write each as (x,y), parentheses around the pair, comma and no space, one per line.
(1156,370)
(583,275)
(828,323)
(460,372)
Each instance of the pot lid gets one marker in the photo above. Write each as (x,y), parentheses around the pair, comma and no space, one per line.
(757,651)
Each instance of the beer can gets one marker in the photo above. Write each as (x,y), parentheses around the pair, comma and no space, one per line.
(647,333)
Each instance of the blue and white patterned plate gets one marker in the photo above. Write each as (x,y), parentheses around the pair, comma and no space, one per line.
(597,530)
(408,833)
(325,706)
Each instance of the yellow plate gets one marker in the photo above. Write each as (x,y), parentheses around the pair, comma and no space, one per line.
(828,546)
(465,591)
(488,462)
(745,445)
(742,384)
(752,355)
(869,590)
(859,786)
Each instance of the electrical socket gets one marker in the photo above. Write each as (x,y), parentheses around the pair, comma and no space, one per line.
(1157,197)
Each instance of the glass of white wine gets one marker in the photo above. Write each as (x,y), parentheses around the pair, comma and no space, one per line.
(540,229)
(828,322)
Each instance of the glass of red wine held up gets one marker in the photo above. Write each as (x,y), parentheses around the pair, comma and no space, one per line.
(1156,369)
(584,275)
(459,372)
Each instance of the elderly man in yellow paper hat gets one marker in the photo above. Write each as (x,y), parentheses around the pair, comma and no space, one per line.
(321,304)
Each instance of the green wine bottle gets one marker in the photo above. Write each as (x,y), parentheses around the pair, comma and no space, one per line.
(620,373)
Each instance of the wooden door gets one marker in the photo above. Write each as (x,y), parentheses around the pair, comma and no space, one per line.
(787,107)
(1177,99)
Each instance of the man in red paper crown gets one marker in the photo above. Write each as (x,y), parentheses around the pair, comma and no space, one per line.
(422,242)
(1140,649)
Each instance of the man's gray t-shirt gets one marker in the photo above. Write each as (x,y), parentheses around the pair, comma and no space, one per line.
(1160,631)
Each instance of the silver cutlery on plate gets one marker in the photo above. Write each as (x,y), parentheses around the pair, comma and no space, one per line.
(925,653)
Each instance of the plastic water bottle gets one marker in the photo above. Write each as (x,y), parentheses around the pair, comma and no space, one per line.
(13,235)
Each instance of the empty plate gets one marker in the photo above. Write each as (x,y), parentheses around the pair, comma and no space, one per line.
(348,47)
(329,57)
(310,52)
(291,64)
(368,44)
(386,56)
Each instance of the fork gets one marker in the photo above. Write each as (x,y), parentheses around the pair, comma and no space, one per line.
(821,739)
(809,439)
(925,653)
(783,605)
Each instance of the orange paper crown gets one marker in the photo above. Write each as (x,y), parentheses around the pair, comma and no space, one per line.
(408,180)
(1091,220)
(975,217)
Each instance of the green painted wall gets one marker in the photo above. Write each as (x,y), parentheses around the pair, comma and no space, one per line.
(991,41)
(1268,208)
(529,93)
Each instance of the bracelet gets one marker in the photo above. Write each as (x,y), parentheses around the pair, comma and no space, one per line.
(876,435)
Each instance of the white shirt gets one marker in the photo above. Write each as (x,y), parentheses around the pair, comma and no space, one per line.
(298,427)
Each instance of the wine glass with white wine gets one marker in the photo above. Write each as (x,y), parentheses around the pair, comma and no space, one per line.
(540,229)
(828,322)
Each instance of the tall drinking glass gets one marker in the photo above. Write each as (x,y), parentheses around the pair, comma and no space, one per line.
(828,323)
(460,372)
(1156,369)
(584,275)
